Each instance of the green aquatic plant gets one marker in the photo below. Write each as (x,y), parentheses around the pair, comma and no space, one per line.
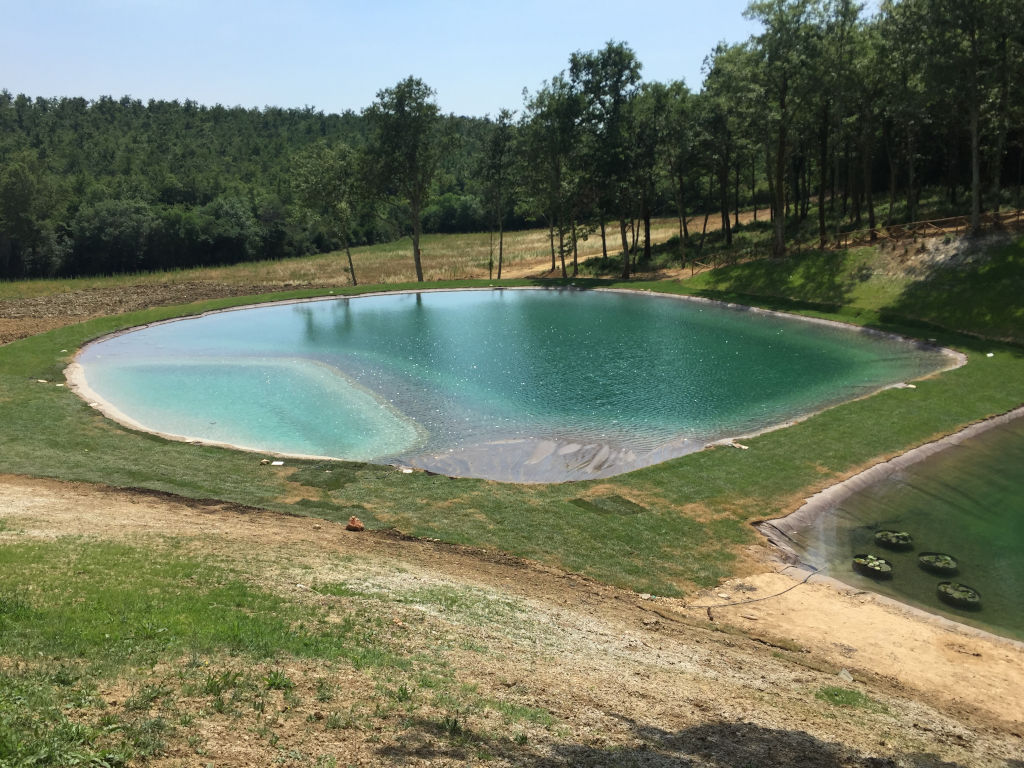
(938,562)
(872,566)
(959,595)
(897,540)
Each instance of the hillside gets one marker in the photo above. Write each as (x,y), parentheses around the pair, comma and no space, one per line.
(209,610)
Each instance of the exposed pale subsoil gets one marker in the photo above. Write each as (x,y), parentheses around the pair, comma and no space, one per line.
(627,680)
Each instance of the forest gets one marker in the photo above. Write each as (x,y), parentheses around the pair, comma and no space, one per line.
(832,118)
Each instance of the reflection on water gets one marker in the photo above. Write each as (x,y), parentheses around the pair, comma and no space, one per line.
(534,385)
(967,501)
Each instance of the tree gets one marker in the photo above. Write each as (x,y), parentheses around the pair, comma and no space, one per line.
(970,44)
(324,182)
(112,236)
(608,80)
(403,149)
(785,52)
(549,145)
(904,96)
(497,172)
(678,149)
(20,216)
(648,118)
(727,105)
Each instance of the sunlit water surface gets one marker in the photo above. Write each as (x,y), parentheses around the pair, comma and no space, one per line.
(966,501)
(531,385)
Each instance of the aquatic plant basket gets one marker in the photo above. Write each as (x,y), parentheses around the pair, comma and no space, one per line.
(871,566)
(900,541)
(938,562)
(959,595)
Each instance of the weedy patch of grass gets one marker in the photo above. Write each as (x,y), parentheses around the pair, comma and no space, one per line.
(277,680)
(469,605)
(519,713)
(82,612)
(84,615)
(847,697)
(217,685)
(120,605)
(44,724)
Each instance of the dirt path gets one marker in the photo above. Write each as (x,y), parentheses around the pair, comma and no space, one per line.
(628,680)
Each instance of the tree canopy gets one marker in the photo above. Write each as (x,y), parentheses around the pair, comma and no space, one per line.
(821,114)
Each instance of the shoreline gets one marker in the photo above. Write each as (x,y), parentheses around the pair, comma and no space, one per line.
(75,376)
(780,531)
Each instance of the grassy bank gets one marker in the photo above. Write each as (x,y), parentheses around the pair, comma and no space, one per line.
(127,651)
(695,510)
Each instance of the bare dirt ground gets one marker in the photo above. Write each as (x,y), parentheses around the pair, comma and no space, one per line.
(627,680)
(23,317)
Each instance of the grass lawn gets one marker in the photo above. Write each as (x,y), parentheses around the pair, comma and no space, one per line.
(695,510)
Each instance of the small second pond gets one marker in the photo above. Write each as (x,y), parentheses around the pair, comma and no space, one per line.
(518,385)
(967,501)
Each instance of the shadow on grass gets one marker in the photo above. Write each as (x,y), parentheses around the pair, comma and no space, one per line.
(985,297)
(819,277)
(712,744)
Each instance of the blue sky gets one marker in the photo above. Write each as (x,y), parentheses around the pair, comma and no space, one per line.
(333,56)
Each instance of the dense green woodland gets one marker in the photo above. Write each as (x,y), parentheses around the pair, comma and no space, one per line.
(919,105)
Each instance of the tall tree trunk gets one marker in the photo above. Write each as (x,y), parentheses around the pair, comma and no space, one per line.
(416,244)
(855,191)
(736,197)
(551,238)
(805,197)
(975,170)
(634,230)
(999,145)
(911,181)
(561,249)
(625,249)
(890,153)
(822,174)
(351,269)
(1020,174)
(753,183)
(723,201)
(501,245)
(704,231)
(647,232)
(869,197)
(683,232)
(604,242)
(575,251)
(779,196)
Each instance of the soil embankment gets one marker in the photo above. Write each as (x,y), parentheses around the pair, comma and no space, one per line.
(649,681)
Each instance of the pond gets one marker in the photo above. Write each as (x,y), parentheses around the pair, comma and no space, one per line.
(966,499)
(534,385)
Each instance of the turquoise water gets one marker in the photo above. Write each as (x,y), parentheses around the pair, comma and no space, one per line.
(966,501)
(533,385)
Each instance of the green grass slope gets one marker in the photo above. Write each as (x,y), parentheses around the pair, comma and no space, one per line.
(664,529)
